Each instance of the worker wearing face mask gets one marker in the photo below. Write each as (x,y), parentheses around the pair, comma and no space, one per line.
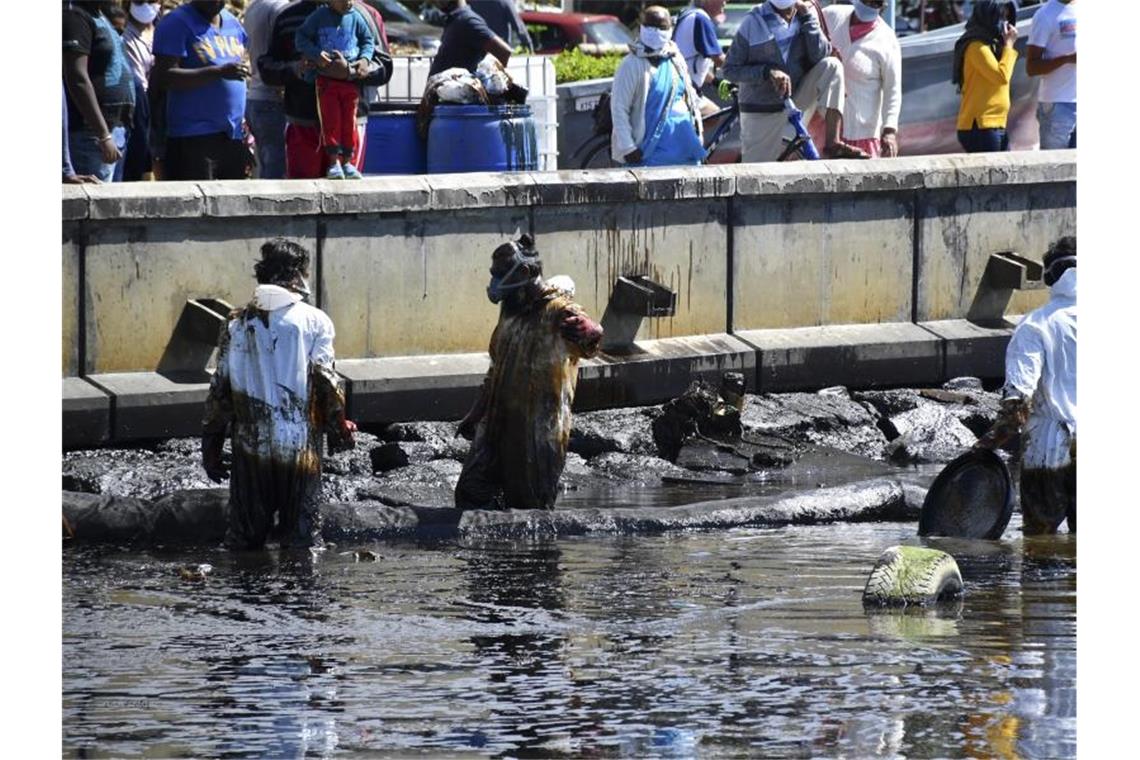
(520,425)
(275,391)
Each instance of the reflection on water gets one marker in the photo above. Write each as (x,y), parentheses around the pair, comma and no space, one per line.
(748,642)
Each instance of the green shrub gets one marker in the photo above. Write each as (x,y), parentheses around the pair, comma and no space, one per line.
(575,66)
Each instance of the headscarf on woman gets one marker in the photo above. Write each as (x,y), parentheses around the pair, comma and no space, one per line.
(985,26)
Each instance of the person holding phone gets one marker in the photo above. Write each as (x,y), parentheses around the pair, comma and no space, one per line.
(984,58)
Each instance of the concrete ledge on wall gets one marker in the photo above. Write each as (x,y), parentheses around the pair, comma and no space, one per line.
(969,349)
(290,197)
(86,414)
(375,195)
(858,356)
(147,200)
(571,188)
(149,405)
(75,202)
(659,370)
(404,388)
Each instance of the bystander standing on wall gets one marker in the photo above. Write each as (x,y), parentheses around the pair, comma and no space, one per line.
(69,175)
(503,18)
(1052,55)
(466,39)
(100,93)
(139,39)
(264,109)
(872,71)
(199,60)
(282,66)
(983,68)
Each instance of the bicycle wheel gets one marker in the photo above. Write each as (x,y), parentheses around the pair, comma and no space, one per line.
(598,157)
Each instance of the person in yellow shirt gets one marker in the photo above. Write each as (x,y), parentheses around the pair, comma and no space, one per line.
(983,67)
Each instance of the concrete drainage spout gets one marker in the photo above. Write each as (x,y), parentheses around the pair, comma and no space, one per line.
(633,299)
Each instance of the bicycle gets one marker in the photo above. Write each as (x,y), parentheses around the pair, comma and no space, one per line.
(597,153)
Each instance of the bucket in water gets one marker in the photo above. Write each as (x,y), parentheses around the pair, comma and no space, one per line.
(478,138)
(393,145)
(971,498)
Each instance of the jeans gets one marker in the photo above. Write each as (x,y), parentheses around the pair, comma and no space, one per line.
(1057,125)
(87,156)
(267,123)
(983,140)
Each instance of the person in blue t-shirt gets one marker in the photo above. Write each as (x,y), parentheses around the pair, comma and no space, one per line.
(334,33)
(200,60)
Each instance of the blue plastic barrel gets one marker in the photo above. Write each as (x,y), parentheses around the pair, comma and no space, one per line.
(482,138)
(393,146)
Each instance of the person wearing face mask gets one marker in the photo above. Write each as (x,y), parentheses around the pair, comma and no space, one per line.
(781,52)
(872,75)
(466,39)
(655,110)
(1039,399)
(200,62)
(984,59)
(138,39)
(520,424)
(275,390)
(99,87)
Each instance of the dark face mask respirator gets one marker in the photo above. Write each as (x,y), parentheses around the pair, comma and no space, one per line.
(499,287)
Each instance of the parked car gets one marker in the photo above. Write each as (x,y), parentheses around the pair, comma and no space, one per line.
(407,34)
(555,32)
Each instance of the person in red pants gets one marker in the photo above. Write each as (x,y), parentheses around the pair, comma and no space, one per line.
(334,34)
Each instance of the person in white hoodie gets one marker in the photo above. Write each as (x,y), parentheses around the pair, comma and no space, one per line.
(1040,399)
(872,74)
(655,110)
(275,389)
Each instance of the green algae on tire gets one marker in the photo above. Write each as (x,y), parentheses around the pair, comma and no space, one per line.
(912,575)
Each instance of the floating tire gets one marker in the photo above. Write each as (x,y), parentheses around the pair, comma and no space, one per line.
(912,575)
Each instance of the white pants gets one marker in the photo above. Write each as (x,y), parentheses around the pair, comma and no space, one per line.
(761,134)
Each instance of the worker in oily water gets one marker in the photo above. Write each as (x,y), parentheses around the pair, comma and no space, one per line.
(276,390)
(1040,399)
(521,421)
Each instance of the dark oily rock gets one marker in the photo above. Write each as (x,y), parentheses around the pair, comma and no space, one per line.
(891,402)
(878,499)
(138,473)
(408,494)
(354,461)
(913,496)
(443,472)
(389,456)
(975,408)
(929,433)
(110,519)
(366,521)
(629,431)
(632,468)
(191,516)
(963,384)
(708,456)
(830,419)
(439,434)
(343,488)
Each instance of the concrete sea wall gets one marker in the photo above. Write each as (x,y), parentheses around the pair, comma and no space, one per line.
(801,275)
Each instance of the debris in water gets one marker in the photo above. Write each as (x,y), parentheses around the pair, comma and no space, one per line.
(195,573)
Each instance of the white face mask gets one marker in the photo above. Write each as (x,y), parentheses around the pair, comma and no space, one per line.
(865,13)
(654,38)
(146,13)
(782,4)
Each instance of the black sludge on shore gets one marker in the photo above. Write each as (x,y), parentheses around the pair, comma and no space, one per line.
(800,457)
